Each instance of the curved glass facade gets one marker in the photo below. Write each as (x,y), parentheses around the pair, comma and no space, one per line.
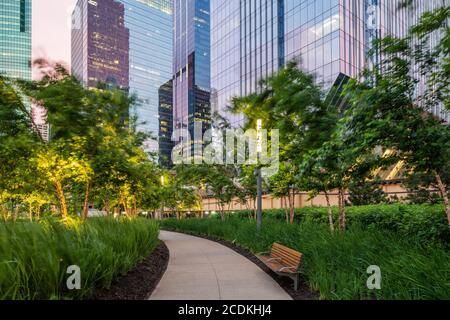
(250,39)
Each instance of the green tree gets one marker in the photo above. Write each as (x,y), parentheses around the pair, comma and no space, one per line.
(291,102)
(363,193)
(391,114)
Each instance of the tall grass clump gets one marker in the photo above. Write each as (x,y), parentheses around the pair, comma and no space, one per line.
(428,222)
(34,256)
(336,264)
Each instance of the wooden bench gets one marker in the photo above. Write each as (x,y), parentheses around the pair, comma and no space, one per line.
(283,261)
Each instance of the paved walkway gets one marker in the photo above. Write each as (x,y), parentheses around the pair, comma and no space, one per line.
(200,269)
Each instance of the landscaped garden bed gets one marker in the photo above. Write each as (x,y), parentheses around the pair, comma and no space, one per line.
(335,265)
(139,283)
(34,257)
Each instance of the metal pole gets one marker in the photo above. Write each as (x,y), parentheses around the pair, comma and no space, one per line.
(259,175)
(161,214)
(259,199)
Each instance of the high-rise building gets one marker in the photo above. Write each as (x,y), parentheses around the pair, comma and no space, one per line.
(191,67)
(251,39)
(416,9)
(100,43)
(165,124)
(131,45)
(15,38)
(150,23)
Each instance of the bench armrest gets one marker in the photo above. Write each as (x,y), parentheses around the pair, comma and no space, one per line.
(274,259)
(263,253)
(292,268)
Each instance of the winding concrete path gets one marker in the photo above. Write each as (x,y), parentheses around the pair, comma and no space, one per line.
(200,269)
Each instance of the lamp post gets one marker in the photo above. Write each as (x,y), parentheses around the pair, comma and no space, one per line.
(162,202)
(258,174)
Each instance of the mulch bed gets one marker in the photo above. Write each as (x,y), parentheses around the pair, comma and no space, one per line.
(139,283)
(303,292)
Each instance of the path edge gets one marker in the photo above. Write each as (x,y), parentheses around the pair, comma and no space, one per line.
(303,293)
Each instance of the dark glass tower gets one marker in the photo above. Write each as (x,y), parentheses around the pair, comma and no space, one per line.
(191,67)
(165,124)
(100,43)
(128,43)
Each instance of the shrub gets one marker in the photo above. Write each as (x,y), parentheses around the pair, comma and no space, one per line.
(34,256)
(428,222)
(336,264)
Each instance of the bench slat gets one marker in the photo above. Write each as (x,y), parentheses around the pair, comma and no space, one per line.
(288,256)
(282,257)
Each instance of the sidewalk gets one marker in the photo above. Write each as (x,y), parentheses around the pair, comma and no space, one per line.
(200,269)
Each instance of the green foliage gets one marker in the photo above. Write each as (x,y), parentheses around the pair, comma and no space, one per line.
(35,256)
(366,193)
(94,155)
(336,264)
(425,222)
(393,108)
(422,188)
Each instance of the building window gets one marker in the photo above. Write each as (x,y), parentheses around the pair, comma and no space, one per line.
(22,16)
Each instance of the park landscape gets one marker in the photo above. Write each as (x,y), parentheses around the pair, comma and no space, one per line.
(95,159)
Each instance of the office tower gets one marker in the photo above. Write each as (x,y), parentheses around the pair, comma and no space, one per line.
(251,39)
(150,23)
(415,12)
(165,124)
(246,45)
(191,67)
(100,43)
(141,38)
(15,39)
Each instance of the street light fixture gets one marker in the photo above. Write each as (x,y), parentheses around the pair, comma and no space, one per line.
(258,174)
(162,203)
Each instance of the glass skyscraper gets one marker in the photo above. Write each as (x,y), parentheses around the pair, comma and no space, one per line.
(418,7)
(129,43)
(331,39)
(165,123)
(150,23)
(100,43)
(15,38)
(191,65)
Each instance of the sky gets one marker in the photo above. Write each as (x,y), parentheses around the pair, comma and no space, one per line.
(51,29)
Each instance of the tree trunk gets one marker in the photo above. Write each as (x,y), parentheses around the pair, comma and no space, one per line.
(16,212)
(86,201)
(125,208)
(286,208)
(342,219)
(444,195)
(134,206)
(106,206)
(291,207)
(330,212)
(222,212)
(4,211)
(30,212)
(62,200)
